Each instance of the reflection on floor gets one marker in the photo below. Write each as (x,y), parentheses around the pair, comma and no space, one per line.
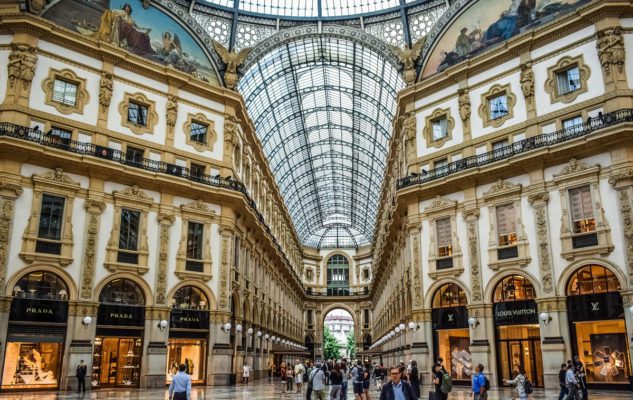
(261,390)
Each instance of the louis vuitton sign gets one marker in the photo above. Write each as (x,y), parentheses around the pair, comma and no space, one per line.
(450,318)
(595,307)
(516,312)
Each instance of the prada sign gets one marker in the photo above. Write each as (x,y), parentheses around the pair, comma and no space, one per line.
(595,307)
(449,318)
(36,310)
(121,315)
(189,319)
(516,312)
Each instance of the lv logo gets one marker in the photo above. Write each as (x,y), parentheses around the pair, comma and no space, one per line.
(450,317)
(595,306)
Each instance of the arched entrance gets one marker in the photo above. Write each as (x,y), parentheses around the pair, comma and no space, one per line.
(339,334)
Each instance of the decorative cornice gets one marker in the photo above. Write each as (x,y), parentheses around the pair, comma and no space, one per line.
(620,175)
(574,167)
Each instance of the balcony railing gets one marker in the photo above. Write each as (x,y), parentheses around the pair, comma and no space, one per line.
(520,147)
(35,135)
(338,292)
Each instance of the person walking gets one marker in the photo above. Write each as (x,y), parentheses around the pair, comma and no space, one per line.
(396,388)
(309,369)
(357,381)
(379,376)
(336,382)
(414,378)
(367,381)
(582,377)
(282,373)
(561,381)
(299,371)
(438,376)
(519,381)
(571,382)
(82,370)
(479,384)
(180,386)
(246,373)
(317,379)
(344,383)
(290,371)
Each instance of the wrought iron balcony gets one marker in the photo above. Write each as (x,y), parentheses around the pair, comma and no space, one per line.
(36,135)
(520,147)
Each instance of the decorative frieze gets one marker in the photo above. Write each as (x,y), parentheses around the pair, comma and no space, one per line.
(94,208)
(227,236)
(622,180)
(611,51)
(539,203)
(21,64)
(471,216)
(165,222)
(9,191)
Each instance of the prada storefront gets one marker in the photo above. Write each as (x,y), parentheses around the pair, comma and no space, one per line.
(188,333)
(451,334)
(598,333)
(119,340)
(36,333)
(517,331)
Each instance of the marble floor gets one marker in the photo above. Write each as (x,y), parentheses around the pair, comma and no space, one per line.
(262,390)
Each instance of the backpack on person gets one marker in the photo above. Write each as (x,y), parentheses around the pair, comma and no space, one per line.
(446,386)
(486,383)
(527,386)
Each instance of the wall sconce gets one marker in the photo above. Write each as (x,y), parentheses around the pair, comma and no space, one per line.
(473,322)
(226,327)
(162,325)
(86,321)
(266,336)
(238,328)
(259,333)
(413,326)
(401,326)
(545,317)
(397,330)
(249,331)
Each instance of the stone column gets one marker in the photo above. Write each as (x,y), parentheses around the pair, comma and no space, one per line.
(553,344)
(78,344)
(154,362)
(220,351)
(481,347)
(420,340)
(622,181)
(94,207)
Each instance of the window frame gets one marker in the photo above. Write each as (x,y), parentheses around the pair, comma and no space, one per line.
(564,64)
(69,77)
(211,135)
(54,183)
(428,132)
(494,92)
(141,100)
(441,208)
(200,213)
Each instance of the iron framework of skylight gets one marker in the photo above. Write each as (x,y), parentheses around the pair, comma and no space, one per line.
(322,108)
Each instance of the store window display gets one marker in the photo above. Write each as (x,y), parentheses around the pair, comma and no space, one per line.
(517,330)
(119,343)
(596,315)
(452,337)
(188,333)
(37,330)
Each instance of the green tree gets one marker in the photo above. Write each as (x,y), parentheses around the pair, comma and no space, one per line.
(351,345)
(331,347)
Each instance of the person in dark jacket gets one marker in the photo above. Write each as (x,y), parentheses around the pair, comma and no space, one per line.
(561,381)
(396,384)
(82,370)
(414,378)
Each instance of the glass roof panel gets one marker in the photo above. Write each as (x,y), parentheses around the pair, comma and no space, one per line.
(325,124)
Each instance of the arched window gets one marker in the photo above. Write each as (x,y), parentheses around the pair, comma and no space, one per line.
(122,291)
(337,276)
(592,279)
(514,288)
(41,285)
(191,298)
(449,295)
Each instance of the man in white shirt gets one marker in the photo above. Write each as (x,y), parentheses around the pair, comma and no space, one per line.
(246,373)
(180,387)
(317,379)
(572,384)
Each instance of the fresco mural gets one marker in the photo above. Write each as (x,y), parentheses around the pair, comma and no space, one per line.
(148,32)
(487,23)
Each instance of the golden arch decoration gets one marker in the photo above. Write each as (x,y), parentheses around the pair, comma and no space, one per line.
(213,304)
(430,293)
(147,291)
(492,284)
(563,278)
(68,280)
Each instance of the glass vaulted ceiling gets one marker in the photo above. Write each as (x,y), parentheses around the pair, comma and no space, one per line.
(311,8)
(322,107)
